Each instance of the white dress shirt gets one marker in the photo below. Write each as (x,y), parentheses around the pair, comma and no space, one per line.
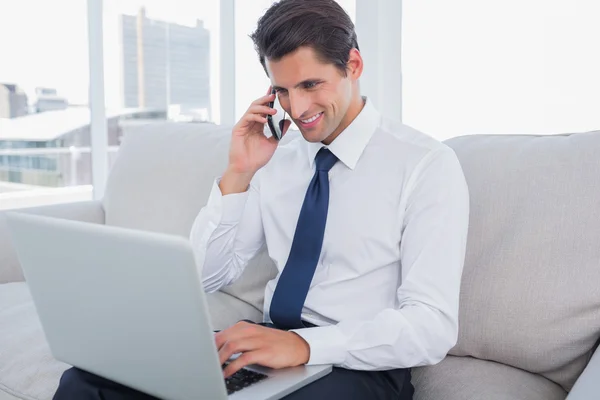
(386,289)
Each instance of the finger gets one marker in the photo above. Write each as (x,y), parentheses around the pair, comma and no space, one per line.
(270,90)
(237,346)
(255,118)
(242,361)
(220,338)
(258,109)
(264,100)
(238,331)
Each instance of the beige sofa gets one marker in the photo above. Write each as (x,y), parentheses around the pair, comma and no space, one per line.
(530,300)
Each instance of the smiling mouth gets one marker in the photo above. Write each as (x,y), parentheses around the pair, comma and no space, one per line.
(311,122)
(311,119)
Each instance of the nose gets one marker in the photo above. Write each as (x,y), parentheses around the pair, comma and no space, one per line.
(299,105)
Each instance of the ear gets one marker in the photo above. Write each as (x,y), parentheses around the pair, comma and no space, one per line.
(355,64)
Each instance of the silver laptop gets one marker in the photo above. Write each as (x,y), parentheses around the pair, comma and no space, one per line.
(128,305)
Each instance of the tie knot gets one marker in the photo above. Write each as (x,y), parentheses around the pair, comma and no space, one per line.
(325,159)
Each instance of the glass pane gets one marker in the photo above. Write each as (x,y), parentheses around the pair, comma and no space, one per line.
(161,63)
(44,142)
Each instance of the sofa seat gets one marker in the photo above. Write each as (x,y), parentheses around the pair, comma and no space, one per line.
(27,368)
(460,378)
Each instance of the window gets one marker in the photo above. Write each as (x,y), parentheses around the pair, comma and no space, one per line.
(474,67)
(43,103)
(163,56)
(161,63)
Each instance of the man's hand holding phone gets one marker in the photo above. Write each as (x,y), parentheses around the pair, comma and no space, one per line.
(250,149)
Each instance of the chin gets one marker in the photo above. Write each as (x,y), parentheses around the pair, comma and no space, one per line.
(313,140)
(312,137)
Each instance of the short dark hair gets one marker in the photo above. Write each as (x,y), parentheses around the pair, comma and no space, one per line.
(322,25)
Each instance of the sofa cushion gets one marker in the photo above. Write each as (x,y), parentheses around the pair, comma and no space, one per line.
(27,368)
(225,310)
(161,179)
(162,176)
(466,378)
(530,296)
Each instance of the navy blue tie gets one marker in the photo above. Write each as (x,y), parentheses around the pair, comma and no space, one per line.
(294,282)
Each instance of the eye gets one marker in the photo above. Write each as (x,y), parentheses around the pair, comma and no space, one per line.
(281,92)
(310,85)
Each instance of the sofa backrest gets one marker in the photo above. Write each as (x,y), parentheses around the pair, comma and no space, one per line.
(530,294)
(162,177)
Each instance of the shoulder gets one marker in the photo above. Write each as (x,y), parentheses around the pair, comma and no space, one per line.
(400,135)
(408,145)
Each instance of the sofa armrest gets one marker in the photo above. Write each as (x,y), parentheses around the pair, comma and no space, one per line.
(588,385)
(87,211)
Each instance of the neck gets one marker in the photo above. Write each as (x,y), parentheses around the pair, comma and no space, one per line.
(354,109)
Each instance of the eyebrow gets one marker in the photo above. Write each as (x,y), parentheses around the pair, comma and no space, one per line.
(304,82)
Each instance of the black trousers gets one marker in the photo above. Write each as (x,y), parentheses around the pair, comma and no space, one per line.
(339,384)
(76,384)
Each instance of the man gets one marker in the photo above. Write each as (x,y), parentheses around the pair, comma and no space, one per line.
(366,220)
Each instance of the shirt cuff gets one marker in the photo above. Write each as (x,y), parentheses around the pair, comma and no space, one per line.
(231,205)
(327,344)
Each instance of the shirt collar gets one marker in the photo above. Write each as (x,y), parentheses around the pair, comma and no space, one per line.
(350,144)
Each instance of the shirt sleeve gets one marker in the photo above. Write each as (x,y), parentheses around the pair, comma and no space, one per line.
(423,327)
(226,235)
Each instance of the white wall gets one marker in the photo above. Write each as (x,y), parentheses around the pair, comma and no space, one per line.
(510,66)
(379,31)
(251,80)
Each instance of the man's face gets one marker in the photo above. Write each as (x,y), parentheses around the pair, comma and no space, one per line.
(316,95)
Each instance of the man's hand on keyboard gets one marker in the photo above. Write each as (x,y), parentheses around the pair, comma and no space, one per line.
(260,345)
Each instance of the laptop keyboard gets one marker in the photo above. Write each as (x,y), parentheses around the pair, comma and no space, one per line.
(242,379)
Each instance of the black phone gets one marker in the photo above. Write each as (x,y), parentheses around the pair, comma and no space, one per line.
(276,121)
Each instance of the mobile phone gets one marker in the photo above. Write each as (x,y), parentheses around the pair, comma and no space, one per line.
(276,121)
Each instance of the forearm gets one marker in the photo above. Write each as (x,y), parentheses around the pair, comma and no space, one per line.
(414,335)
(226,234)
(213,243)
